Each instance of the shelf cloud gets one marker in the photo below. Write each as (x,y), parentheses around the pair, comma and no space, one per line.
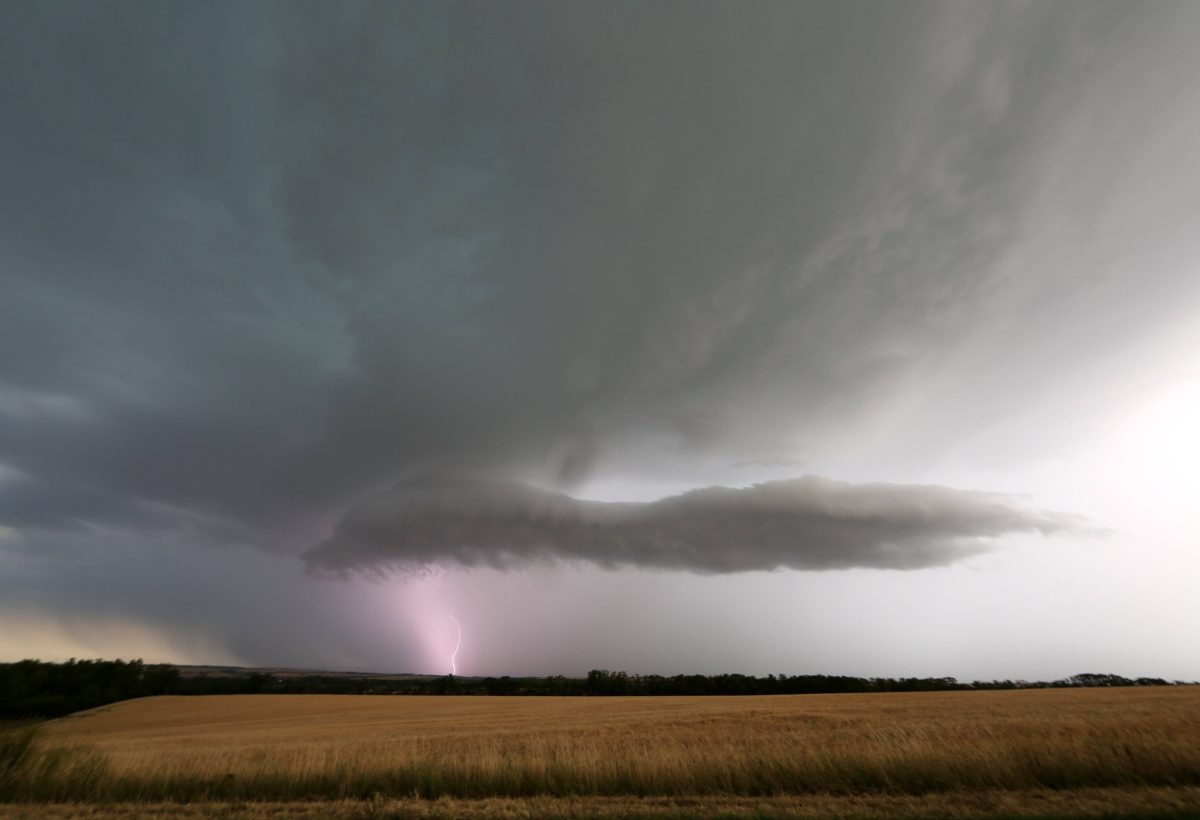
(809,523)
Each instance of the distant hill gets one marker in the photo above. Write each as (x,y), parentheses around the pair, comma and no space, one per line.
(286,672)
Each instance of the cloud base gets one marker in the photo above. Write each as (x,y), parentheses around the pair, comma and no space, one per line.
(809,523)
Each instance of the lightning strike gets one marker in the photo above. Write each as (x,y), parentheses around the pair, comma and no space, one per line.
(454,655)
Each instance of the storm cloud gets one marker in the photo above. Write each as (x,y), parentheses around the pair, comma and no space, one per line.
(264,265)
(806,523)
(548,242)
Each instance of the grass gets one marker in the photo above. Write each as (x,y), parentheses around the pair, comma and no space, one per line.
(31,768)
(927,746)
(1143,804)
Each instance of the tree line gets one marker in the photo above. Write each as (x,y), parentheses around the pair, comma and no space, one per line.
(40,689)
(30,688)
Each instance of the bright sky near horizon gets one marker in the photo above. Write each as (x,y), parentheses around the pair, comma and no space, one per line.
(786,337)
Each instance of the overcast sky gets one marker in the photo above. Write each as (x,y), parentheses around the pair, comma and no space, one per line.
(793,337)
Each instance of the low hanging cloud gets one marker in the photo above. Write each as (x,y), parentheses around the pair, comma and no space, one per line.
(809,523)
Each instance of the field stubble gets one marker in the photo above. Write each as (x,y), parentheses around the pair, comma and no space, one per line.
(296,747)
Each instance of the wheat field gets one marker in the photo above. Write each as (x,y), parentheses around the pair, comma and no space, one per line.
(1120,742)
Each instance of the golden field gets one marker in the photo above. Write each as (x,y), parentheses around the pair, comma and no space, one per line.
(1133,750)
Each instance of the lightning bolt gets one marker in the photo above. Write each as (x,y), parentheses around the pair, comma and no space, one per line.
(454,655)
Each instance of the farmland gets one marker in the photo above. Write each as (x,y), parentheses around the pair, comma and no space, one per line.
(1134,750)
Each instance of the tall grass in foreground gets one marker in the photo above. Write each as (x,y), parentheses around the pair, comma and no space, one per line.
(31,770)
(285,747)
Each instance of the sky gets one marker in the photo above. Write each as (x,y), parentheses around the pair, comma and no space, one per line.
(784,337)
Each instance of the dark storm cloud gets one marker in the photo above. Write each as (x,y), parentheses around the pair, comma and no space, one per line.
(719,231)
(260,261)
(808,524)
